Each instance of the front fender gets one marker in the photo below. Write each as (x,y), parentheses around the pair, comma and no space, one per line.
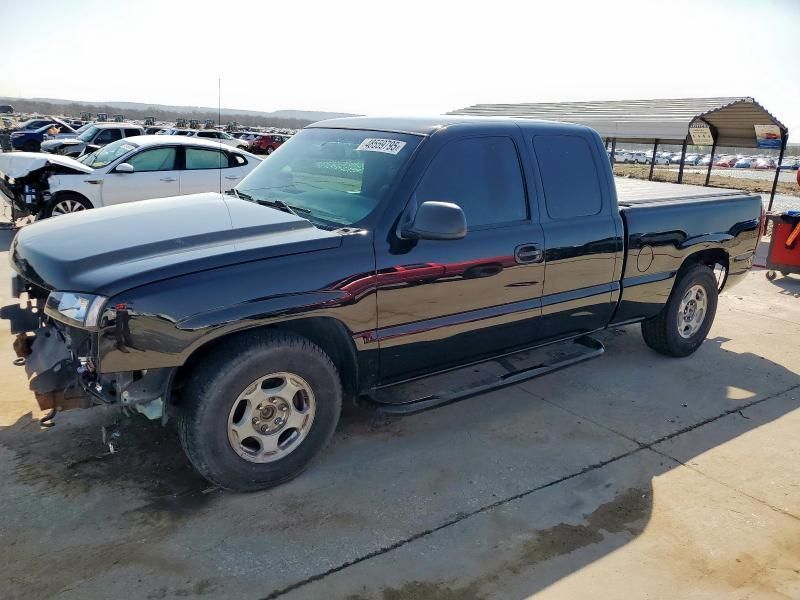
(135,341)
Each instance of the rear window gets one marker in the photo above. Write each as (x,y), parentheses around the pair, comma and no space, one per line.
(569,176)
(201,158)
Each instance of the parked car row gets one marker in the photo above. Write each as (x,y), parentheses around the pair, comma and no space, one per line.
(756,162)
(739,161)
(40,133)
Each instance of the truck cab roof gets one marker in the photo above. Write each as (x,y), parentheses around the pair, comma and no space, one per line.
(426,126)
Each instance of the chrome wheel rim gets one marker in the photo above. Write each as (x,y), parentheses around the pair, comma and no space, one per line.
(271,417)
(67,206)
(692,311)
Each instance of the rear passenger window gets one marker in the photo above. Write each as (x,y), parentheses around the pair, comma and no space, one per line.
(569,176)
(200,158)
(132,132)
(482,175)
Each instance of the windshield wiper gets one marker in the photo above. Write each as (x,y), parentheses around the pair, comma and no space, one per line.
(281,205)
(274,203)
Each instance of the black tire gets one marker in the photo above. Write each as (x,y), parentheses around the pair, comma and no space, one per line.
(771,275)
(31,146)
(66,197)
(214,387)
(661,333)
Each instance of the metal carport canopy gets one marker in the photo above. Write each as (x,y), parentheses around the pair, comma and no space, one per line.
(732,118)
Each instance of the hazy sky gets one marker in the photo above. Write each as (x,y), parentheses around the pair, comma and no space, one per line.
(406,57)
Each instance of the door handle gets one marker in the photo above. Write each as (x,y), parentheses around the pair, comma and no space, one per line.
(233,177)
(168,179)
(94,181)
(528,253)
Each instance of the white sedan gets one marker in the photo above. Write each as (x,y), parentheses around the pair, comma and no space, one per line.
(212,135)
(131,169)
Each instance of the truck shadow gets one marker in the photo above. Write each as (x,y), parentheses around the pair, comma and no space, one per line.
(149,478)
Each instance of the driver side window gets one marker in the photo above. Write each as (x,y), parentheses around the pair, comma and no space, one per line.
(157,159)
(483,176)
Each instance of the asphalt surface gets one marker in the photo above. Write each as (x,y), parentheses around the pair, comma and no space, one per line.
(630,476)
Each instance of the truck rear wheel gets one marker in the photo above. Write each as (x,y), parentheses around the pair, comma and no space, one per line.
(259,410)
(682,326)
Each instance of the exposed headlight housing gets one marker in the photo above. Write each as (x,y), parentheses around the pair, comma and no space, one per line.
(74,308)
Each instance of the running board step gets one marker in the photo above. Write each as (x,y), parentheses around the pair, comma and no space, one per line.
(424,394)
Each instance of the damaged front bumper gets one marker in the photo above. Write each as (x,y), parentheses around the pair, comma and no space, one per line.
(62,375)
(24,186)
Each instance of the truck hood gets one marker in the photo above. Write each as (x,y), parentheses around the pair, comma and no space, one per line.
(109,250)
(20,164)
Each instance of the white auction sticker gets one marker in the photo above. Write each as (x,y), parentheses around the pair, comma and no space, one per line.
(381,145)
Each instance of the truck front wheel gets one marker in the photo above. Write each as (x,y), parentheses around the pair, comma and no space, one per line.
(682,326)
(259,410)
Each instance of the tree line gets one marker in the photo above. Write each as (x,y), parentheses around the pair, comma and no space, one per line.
(74,109)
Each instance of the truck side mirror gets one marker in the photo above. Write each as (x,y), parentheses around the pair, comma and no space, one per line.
(124,168)
(436,221)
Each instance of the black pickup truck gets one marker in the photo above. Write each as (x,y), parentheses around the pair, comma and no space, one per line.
(363,255)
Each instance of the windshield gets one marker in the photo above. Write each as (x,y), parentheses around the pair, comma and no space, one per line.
(108,154)
(334,176)
(88,134)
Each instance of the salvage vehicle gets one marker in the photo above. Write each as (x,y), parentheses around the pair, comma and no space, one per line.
(131,169)
(31,140)
(360,261)
(268,143)
(90,139)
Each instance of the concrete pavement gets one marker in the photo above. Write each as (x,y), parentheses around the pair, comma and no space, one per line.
(631,476)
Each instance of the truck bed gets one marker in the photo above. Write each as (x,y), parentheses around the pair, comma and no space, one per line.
(639,191)
(666,222)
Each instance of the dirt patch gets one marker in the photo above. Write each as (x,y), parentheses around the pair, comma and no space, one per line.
(626,512)
(556,541)
(418,590)
(763,186)
(201,588)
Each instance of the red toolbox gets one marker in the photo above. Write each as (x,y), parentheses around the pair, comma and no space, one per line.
(784,247)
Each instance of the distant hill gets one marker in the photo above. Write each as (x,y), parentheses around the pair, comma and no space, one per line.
(166,112)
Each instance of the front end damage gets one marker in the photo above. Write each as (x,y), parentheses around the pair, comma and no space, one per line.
(24,185)
(62,368)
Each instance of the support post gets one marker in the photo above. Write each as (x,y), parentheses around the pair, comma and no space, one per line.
(711,163)
(683,159)
(784,139)
(653,162)
(613,149)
